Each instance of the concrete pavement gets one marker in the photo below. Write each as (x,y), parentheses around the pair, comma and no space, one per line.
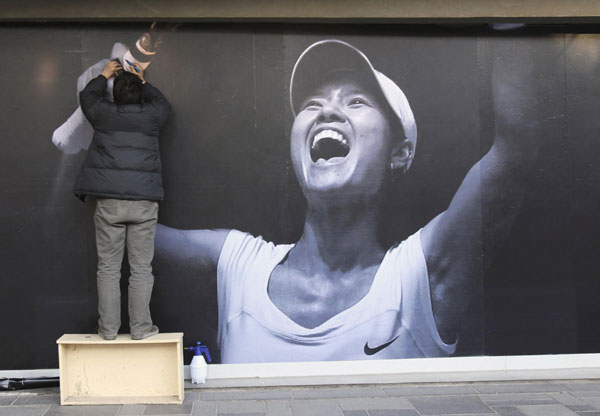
(505,398)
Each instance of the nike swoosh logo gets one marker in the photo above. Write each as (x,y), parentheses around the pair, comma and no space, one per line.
(371,351)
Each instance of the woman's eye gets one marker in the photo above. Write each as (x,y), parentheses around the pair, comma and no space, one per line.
(310,104)
(357,101)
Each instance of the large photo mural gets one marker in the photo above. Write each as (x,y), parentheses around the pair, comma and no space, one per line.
(331,192)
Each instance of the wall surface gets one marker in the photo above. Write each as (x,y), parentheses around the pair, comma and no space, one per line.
(226,158)
(402,10)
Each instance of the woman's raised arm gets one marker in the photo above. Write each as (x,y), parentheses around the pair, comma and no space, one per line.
(461,242)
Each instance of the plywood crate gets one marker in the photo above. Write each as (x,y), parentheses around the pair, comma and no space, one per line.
(122,371)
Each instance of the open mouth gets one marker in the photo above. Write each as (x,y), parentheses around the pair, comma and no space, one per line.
(327,145)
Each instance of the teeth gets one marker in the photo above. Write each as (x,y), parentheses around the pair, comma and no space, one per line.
(332,134)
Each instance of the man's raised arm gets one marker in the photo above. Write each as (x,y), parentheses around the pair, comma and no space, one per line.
(93,95)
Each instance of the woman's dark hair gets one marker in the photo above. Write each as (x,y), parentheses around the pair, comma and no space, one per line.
(127,89)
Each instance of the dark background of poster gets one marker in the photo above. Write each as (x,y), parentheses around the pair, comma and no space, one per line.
(226,165)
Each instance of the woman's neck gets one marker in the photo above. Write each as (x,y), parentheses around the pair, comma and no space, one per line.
(339,239)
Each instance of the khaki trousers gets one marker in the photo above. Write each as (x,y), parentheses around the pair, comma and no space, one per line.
(119,223)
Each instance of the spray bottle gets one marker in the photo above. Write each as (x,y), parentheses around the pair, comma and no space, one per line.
(198,367)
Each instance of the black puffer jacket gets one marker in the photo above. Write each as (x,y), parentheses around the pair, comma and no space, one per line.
(123,161)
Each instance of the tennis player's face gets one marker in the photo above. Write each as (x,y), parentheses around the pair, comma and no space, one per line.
(341,141)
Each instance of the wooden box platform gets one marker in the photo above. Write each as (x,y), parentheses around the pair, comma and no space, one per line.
(95,371)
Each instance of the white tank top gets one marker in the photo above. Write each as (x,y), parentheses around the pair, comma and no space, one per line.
(393,320)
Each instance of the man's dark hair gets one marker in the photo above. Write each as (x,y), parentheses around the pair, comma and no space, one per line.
(127,89)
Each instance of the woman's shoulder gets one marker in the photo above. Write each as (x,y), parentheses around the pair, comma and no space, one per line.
(410,246)
(241,246)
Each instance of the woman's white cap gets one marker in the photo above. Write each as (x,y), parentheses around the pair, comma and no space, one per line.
(323,57)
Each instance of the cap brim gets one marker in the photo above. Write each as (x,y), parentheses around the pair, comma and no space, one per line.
(319,60)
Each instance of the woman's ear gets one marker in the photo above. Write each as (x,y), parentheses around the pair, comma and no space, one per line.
(403,152)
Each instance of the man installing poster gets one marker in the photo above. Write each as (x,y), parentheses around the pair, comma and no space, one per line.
(123,171)
(339,293)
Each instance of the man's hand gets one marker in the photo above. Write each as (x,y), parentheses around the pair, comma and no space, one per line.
(139,71)
(110,69)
